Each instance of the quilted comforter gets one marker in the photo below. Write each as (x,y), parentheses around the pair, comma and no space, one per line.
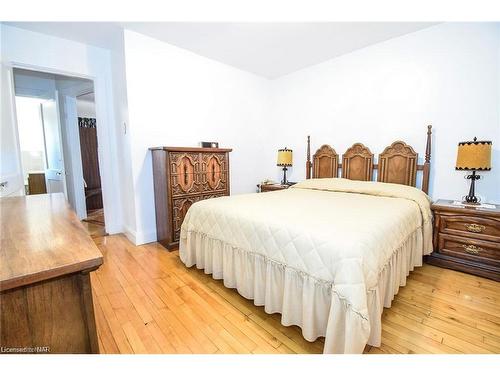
(328,254)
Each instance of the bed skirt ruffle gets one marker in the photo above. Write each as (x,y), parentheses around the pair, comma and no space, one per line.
(310,303)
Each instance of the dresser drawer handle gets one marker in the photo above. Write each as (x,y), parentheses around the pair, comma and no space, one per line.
(472,249)
(475,228)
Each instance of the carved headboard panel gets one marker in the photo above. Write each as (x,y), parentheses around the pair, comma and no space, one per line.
(357,163)
(325,162)
(398,163)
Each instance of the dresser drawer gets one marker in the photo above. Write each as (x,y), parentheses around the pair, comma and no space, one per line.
(185,184)
(199,183)
(483,228)
(213,181)
(181,207)
(487,252)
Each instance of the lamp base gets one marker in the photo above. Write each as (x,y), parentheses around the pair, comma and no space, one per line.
(471,198)
(284,181)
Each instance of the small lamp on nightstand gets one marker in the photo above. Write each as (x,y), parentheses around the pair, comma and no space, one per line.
(473,156)
(285,157)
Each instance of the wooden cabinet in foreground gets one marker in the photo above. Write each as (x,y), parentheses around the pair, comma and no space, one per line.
(183,176)
(45,290)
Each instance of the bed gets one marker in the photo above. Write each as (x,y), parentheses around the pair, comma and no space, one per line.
(329,253)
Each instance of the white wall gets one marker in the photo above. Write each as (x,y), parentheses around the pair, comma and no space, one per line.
(27,49)
(124,140)
(85,108)
(446,75)
(177,98)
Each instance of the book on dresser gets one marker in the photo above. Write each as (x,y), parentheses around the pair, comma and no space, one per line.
(183,176)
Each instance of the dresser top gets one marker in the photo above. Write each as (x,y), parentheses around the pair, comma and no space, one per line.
(191,149)
(448,206)
(42,238)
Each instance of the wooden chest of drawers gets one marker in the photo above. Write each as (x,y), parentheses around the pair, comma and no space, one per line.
(467,239)
(183,176)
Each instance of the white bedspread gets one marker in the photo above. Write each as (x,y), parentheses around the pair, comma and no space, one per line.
(328,254)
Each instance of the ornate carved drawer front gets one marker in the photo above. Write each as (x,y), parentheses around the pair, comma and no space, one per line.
(213,162)
(193,173)
(467,248)
(180,208)
(213,172)
(216,181)
(184,168)
(470,226)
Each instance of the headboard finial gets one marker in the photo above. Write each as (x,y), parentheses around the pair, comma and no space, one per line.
(427,163)
(308,162)
(428,145)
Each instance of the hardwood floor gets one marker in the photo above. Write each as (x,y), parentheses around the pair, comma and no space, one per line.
(147,301)
(94,223)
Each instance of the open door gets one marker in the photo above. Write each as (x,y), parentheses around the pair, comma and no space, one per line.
(54,172)
(72,154)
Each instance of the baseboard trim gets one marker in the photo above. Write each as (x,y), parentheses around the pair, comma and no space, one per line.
(130,234)
(140,238)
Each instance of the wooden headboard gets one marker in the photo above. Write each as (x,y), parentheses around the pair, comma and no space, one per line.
(398,163)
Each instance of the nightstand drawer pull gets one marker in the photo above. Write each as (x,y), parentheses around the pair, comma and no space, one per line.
(476,228)
(472,249)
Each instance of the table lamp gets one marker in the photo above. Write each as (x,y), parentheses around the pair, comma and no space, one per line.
(284,160)
(473,156)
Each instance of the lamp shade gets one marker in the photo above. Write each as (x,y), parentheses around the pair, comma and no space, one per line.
(285,157)
(474,156)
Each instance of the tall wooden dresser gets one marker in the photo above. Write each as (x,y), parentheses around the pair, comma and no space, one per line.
(183,176)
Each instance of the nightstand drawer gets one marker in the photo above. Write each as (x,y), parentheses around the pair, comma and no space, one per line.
(487,252)
(272,187)
(471,226)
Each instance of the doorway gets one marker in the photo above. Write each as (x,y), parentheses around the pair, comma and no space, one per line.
(87,127)
(56,123)
(32,145)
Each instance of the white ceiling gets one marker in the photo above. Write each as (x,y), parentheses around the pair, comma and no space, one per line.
(100,34)
(266,49)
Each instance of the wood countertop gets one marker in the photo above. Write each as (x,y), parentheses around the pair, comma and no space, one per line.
(42,238)
(447,205)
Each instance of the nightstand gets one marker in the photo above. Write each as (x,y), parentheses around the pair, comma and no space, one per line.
(272,187)
(466,239)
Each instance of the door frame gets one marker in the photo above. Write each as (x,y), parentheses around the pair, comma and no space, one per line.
(105,135)
(18,176)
